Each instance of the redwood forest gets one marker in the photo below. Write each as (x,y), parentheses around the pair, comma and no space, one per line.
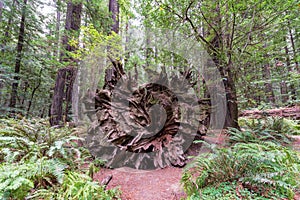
(149,99)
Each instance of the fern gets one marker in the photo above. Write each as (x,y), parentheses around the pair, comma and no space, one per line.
(22,140)
(36,157)
(78,186)
(264,165)
(16,180)
(268,129)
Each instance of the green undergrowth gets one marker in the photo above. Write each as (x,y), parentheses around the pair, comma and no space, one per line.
(40,162)
(279,124)
(266,170)
(273,129)
(231,191)
(257,163)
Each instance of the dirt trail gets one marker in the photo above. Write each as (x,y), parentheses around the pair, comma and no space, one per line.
(160,184)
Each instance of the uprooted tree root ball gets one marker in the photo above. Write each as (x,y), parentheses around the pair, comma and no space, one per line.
(147,127)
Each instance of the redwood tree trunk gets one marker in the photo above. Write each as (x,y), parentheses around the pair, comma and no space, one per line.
(14,92)
(114,9)
(113,73)
(225,68)
(231,97)
(294,49)
(73,22)
(9,24)
(57,101)
(66,76)
(289,68)
(57,28)
(268,85)
(1,7)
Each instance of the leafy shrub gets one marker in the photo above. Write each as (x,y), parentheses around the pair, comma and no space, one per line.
(34,158)
(22,140)
(268,129)
(261,168)
(294,125)
(16,180)
(78,186)
(229,191)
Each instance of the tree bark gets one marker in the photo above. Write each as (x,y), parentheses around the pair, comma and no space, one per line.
(232,105)
(1,8)
(268,85)
(57,101)
(113,7)
(289,68)
(113,74)
(284,92)
(73,22)
(71,75)
(33,93)
(14,93)
(225,68)
(66,76)
(9,24)
(58,18)
(294,49)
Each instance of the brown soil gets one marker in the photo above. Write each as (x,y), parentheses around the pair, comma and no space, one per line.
(160,184)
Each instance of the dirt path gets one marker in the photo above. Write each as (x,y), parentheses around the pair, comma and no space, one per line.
(160,184)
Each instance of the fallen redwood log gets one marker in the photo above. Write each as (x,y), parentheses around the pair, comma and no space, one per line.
(146,127)
(287,112)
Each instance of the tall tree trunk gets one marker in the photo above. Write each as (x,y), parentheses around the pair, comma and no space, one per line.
(1,8)
(9,23)
(225,69)
(73,21)
(231,97)
(33,93)
(14,92)
(284,92)
(230,88)
(268,85)
(57,28)
(56,113)
(71,75)
(113,74)
(294,49)
(288,64)
(66,76)
(283,85)
(113,7)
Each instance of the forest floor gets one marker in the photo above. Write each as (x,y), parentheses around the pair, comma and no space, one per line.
(160,184)
(164,184)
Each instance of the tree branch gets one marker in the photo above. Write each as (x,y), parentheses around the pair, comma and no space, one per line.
(198,36)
